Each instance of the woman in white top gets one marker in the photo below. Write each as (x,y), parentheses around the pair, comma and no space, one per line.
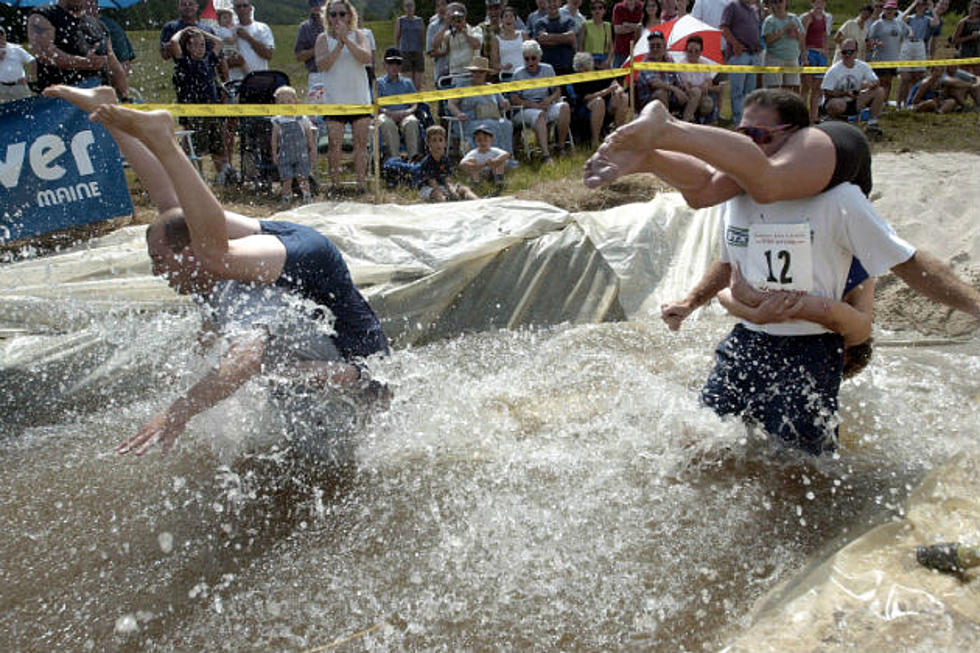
(13,79)
(341,53)
(505,48)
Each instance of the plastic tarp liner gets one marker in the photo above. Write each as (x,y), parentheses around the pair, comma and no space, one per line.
(871,595)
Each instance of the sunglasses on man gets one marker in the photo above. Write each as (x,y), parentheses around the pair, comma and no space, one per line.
(761,134)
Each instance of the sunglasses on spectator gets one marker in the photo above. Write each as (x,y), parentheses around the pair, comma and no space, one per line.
(848,51)
(530,58)
(242,6)
(338,14)
(760,134)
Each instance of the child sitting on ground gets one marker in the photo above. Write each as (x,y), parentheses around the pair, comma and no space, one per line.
(293,147)
(436,170)
(485,161)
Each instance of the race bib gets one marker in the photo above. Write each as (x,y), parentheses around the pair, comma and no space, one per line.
(779,257)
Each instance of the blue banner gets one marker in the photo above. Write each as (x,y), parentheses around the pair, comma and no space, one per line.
(57,169)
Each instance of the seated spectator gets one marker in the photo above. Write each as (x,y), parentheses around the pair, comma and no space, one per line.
(196,82)
(436,170)
(505,49)
(397,118)
(922,23)
(926,94)
(556,35)
(851,85)
(460,41)
(596,101)
(700,87)
(485,111)
(540,107)
(959,82)
(596,37)
(13,78)
(663,85)
(485,162)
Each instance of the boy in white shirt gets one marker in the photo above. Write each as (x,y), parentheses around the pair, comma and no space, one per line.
(485,161)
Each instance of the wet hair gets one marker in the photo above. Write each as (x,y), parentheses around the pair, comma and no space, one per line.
(582,62)
(176,233)
(790,107)
(435,129)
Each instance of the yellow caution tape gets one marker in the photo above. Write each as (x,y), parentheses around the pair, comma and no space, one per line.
(228,110)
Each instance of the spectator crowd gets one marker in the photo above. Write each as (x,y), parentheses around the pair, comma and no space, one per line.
(212,58)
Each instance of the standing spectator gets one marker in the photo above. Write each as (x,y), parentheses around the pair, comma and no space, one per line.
(817,23)
(922,23)
(342,54)
(851,85)
(13,77)
(596,100)
(596,37)
(293,148)
(627,23)
(486,110)
(306,36)
(255,40)
(187,16)
(857,29)
(541,106)
(505,51)
(196,70)
(73,48)
(491,27)
(709,11)
(121,44)
(885,38)
(740,27)
(433,41)
(966,37)
(939,10)
(460,41)
(651,14)
(572,9)
(410,41)
(397,118)
(556,35)
(783,33)
(372,44)
(669,10)
(540,12)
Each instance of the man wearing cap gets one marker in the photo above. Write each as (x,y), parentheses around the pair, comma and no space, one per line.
(460,41)
(885,38)
(556,34)
(309,29)
(396,118)
(740,27)
(850,85)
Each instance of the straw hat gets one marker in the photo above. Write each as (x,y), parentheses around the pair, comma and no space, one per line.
(479,63)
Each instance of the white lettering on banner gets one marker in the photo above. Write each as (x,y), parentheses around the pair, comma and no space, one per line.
(63,194)
(44,152)
(780,257)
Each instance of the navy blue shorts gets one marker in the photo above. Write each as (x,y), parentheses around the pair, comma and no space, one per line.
(786,384)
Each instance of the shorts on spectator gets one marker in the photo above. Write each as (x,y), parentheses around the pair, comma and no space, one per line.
(816,58)
(770,80)
(528,117)
(296,169)
(913,51)
(426,191)
(208,135)
(788,385)
(850,110)
(413,62)
(885,71)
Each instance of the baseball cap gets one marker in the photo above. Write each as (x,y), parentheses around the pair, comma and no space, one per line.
(483,128)
(394,55)
(891,4)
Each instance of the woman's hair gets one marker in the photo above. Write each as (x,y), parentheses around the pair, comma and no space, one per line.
(790,107)
(531,47)
(646,14)
(351,14)
(582,62)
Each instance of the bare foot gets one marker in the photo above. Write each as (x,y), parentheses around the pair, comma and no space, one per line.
(86,99)
(151,127)
(645,132)
(624,151)
(609,164)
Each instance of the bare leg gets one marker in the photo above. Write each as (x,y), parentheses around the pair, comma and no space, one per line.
(360,129)
(155,129)
(801,168)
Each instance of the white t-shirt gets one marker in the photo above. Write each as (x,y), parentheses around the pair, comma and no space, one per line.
(261,33)
(842,224)
(12,66)
(476,156)
(841,78)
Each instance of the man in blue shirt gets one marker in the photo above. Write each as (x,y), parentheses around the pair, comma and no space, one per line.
(396,118)
(556,34)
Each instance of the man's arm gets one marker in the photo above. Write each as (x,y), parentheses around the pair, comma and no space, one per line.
(264,50)
(715,279)
(40,35)
(927,275)
(240,363)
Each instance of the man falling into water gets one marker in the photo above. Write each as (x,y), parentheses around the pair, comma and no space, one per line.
(235,263)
